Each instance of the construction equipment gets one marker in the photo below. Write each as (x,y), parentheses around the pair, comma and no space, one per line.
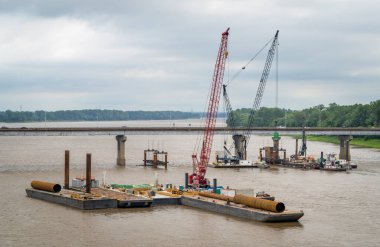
(304,146)
(241,141)
(197,179)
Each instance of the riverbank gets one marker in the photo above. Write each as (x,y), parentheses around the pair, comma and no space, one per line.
(356,141)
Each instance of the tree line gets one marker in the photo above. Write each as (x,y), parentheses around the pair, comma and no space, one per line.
(93,115)
(333,115)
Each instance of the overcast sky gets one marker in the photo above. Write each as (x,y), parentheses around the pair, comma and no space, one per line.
(160,55)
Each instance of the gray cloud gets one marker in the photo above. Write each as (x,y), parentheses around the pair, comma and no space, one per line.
(157,55)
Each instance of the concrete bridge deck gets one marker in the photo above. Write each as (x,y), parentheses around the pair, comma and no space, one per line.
(88,131)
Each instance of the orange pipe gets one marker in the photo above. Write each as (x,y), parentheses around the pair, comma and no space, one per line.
(259,203)
(46,186)
(216,196)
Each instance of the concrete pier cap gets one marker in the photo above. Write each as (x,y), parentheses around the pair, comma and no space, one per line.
(121,139)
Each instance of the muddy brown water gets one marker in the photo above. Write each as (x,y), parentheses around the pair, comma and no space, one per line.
(341,209)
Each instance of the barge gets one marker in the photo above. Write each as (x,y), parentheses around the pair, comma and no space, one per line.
(103,198)
(239,210)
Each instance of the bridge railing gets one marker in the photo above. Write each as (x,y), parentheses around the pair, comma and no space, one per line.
(68,131)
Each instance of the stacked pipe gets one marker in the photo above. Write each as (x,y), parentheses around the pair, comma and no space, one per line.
(249,201)
(216,196)
(259,203)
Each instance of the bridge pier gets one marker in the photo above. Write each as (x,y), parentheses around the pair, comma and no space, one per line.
(240,146)
(121,139)
(345,147)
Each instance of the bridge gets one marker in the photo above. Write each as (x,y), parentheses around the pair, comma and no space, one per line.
(344,134)
(90,131)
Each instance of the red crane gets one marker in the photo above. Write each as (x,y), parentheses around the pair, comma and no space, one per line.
(197,179)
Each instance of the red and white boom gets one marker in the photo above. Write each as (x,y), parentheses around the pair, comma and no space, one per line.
(198,178)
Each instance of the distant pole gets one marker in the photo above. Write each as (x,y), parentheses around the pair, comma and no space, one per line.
(144,157)
(88,173)
(166,161)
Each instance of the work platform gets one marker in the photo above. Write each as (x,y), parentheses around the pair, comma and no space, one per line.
(238,210)
(99,199)
(104,198)
(233,166)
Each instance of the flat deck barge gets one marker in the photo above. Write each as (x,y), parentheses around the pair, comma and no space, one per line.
(233,166)
(239,210)
(104,198)
(98,199)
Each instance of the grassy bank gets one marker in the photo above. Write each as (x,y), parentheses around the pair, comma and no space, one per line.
(356,141)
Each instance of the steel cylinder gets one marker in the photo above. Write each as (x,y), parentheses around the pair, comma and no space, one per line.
(46,186)
(258,203)
(216,196)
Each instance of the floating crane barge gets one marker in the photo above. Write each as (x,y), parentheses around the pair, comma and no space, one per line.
(102,198)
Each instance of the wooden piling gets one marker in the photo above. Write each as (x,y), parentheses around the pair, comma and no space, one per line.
(67,169)
(88,173)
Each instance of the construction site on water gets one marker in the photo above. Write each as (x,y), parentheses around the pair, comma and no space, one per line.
(275,155)
(197,190)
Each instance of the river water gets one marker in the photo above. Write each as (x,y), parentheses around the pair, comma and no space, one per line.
(341,209)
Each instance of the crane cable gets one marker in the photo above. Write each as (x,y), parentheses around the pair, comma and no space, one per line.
(243,68)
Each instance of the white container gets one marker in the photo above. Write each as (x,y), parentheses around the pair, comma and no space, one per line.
(77,183)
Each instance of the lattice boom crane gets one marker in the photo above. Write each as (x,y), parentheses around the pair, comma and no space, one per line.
(260,90)
(197,179)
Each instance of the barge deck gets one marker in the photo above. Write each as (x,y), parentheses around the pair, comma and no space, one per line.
(238,210)
(103,198)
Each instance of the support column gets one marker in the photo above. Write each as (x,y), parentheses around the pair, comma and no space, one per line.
(88,173)
(155,161)
(345,147)
(276,144)
(240,146)
(67,169)
(121,139)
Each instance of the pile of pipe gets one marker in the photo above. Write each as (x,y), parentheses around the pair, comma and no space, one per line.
(249,201)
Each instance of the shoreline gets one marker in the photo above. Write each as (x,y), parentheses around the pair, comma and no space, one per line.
(356,141)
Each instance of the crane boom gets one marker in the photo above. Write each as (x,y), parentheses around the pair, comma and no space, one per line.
(260,90)
(231,120)
(198,178)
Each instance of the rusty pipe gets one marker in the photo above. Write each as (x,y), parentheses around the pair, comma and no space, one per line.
(259,203)
(216,196)
(46,186)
